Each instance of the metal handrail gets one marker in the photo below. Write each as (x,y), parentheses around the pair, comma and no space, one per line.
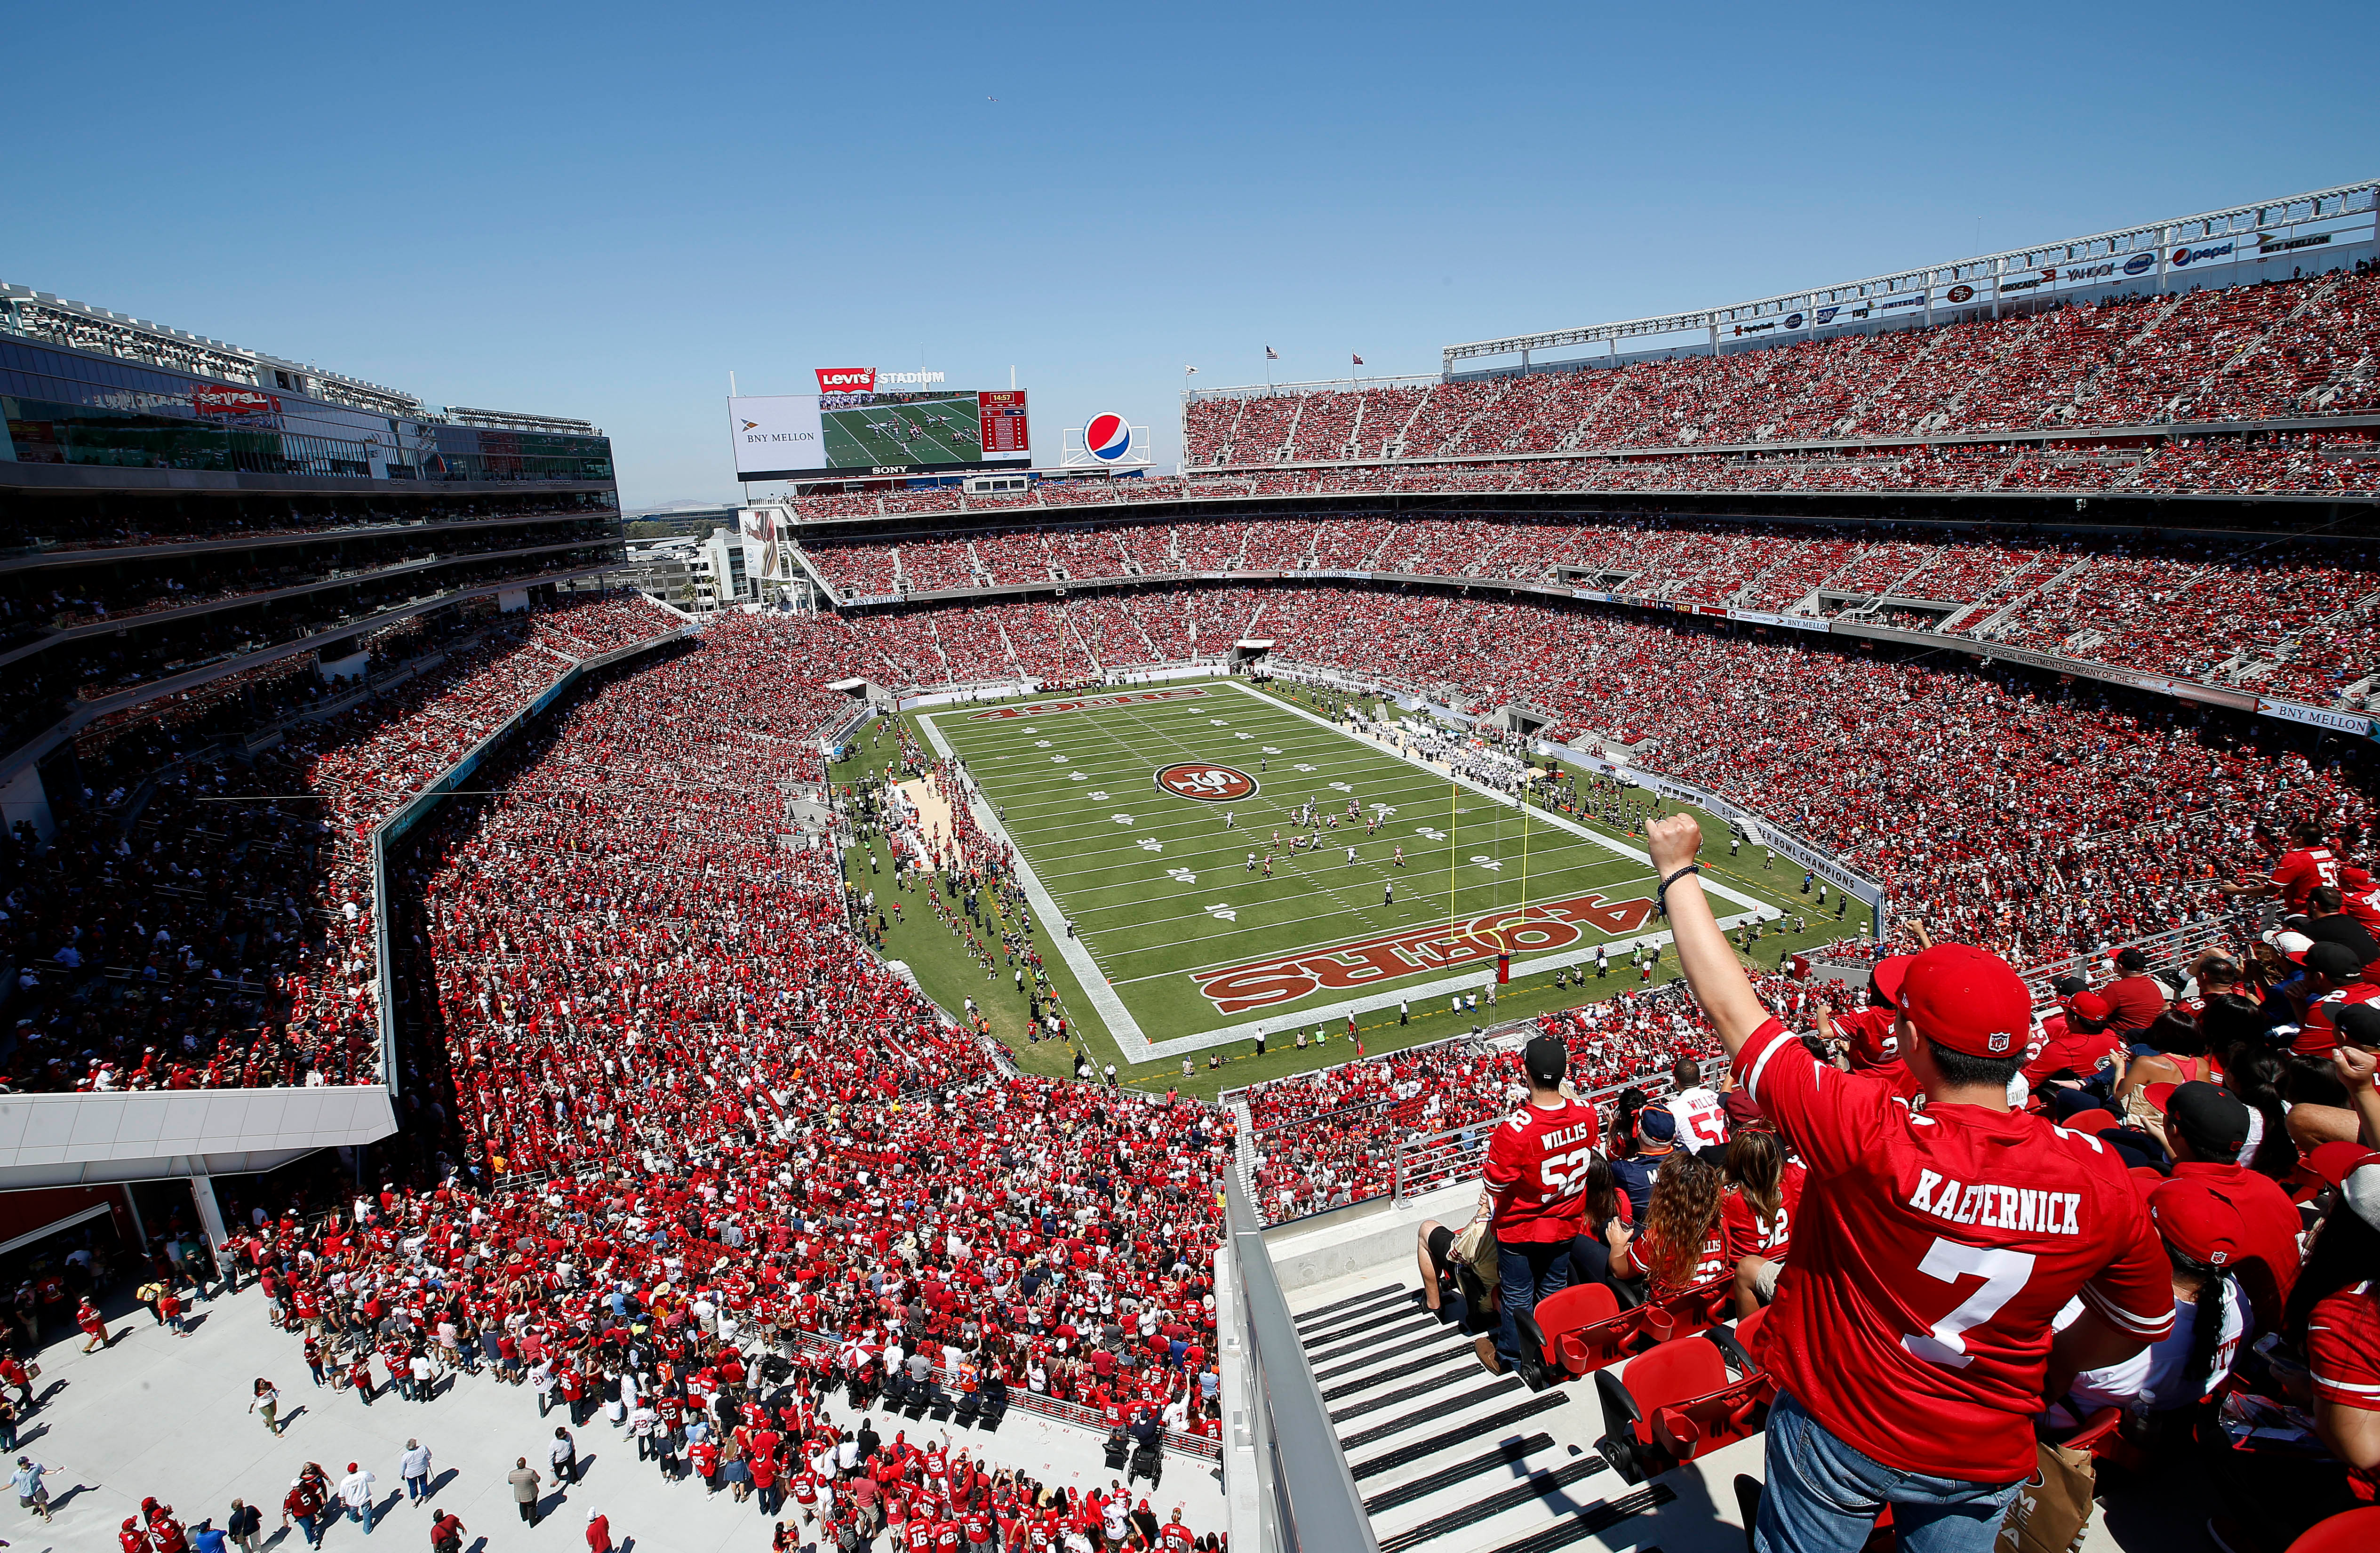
(1306,1498)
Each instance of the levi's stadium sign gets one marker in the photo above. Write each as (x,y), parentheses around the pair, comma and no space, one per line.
(868,380)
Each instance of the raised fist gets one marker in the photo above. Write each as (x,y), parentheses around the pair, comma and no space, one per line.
(1672,841)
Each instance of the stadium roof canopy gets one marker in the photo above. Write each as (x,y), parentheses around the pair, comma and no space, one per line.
(2275,226)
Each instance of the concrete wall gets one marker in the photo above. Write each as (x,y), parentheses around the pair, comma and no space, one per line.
(56,1140)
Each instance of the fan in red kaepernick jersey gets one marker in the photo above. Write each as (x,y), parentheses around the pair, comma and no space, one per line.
(1911,1337)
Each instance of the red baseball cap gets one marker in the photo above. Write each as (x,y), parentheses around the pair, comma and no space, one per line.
(1888,975)
(2198,1220)
(1968,999)
(2334,1163)
(2089,1005)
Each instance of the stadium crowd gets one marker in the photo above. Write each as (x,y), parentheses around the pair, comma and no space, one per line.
(2283,349)
(720,1141)
(2197,609)
(200,921)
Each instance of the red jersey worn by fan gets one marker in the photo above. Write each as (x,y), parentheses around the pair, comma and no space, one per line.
(2301,872)
(2318,1037)
(1536,1170)
(2343,1350)
(1930,1255)
(2360,896)
(1746,1235)
(2066,1050)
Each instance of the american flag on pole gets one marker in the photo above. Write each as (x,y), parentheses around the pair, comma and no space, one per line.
(1271,354)
(1359,361)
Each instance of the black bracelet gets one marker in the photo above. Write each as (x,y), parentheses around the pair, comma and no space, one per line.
(1661,896)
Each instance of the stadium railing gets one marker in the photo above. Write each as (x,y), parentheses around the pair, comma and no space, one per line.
(2171,948)
(1023,1399)
(1306,1497)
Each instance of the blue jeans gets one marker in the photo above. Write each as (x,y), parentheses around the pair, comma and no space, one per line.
(1528,1271)
(1822,1495)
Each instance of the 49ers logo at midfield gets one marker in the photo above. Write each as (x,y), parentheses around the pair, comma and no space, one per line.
(1206,782)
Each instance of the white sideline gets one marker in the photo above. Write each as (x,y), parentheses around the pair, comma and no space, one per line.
(1136,1046)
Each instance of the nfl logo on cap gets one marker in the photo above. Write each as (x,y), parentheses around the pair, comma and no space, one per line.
(1999,1041)
(1107,438)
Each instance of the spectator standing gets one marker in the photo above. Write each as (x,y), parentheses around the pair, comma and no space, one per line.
(563,1454)
(414,1467)
(356,1494)
(32,1494)
(1902,1381)
(1533,1193)
(243,1524)
(1702,1121)
(524,1481)
(599,1531)
(304,1504)
(267,1402)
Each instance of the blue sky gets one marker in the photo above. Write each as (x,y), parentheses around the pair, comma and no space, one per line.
(601,210)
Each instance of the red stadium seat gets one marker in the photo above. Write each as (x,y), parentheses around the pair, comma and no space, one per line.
(1689,1311)
(1580,1330)
(1674,1402)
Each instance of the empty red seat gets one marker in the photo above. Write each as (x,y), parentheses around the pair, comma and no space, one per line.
(1581,1329)
(1676,1401)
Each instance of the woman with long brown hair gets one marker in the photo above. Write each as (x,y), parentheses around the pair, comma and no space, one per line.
(1764,1190)
(1683,1243)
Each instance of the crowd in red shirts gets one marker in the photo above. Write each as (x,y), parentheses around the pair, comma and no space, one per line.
(201,921)
(2195,609)
(2252,352)
(686,1134)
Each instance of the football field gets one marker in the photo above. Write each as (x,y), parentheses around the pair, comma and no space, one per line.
(929,431)
(1135,813)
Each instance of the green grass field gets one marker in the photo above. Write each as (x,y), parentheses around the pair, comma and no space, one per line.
(949,974)
(1197,947)
(864,438)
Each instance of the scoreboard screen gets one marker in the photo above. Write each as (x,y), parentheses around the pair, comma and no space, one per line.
(1001,417)
(822,435)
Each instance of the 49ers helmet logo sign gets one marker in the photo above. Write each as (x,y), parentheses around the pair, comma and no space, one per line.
(1206,782)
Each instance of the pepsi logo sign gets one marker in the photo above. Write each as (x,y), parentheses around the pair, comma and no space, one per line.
(1206,782)
(1107,437)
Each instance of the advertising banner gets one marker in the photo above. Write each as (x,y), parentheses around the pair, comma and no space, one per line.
(777,435)
(2337,721)
(208,398)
